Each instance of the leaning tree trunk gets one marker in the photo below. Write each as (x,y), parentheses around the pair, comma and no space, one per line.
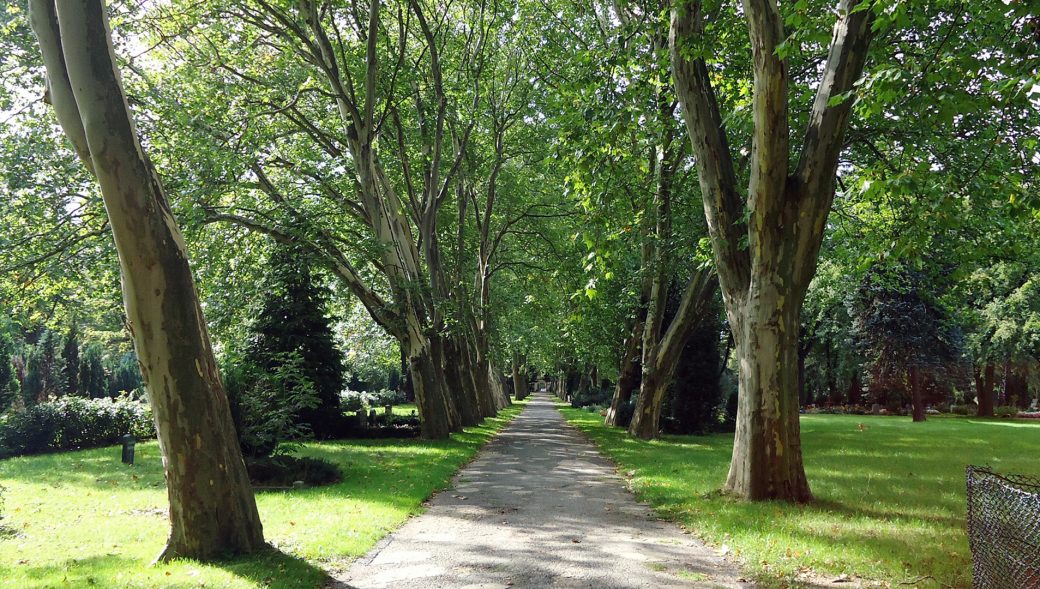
(629,375)
(212,509)
(660,358)
(436,416)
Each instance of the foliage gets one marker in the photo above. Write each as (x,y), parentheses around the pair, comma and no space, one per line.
(71,362)
(372,359)
(892,491)
(71,422)
(1006,411)
(358,400)
(900,327)
(125,374)
(292,340)
(92,380)
(695,398)
(969,409)
(267,404)
(120,521)
(9,385)
(591,395)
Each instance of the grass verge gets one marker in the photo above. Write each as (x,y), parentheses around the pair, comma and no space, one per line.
(890,494)
(83,519)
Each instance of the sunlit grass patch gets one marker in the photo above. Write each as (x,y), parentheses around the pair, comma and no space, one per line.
(83,519)
(890,495)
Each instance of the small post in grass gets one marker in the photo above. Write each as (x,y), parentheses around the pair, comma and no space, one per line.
(128,448)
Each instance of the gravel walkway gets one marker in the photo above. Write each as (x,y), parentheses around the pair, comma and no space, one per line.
(539,507)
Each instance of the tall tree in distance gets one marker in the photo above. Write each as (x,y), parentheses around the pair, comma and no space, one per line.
(212,508)
(294,320)
(766,236)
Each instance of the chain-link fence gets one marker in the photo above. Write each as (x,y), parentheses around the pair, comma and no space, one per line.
(1004,529)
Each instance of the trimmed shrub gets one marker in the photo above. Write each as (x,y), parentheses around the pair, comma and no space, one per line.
(283,471)
(72,423)
(969,409)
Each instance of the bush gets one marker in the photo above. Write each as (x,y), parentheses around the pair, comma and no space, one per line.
(1005,411)
(73,422)
(968,409)
(386,397)
(266,404)
(351,401)
(591,396)
(283,471)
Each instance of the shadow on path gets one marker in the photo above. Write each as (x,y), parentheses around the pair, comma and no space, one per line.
(539,507)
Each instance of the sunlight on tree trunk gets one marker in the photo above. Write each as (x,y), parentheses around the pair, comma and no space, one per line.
(212,509)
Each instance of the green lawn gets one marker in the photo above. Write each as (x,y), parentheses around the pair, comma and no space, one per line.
(82,519)
(890,495)
(404,409)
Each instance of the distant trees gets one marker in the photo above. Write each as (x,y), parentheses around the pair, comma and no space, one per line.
(910,351)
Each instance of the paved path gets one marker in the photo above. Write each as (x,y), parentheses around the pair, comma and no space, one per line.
(539,507)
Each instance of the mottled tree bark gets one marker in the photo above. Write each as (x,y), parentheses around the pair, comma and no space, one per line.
(212,509)
(765,264)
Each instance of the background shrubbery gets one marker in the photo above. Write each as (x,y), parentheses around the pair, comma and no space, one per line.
(73,422)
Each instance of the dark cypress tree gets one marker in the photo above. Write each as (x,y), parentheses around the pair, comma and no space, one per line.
(70,358)
(9,388)
(294,320)
(92,380)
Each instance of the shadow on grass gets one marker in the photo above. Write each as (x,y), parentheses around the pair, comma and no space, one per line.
(890,493)
(275,569)
(86,503)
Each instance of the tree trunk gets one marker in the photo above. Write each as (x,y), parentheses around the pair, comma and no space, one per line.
(431,399)
(984,385)
(767,454)
(647,416)
(519,379)
(916,393)
(628,375)
(766,263)
(460,381)
(212,509)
